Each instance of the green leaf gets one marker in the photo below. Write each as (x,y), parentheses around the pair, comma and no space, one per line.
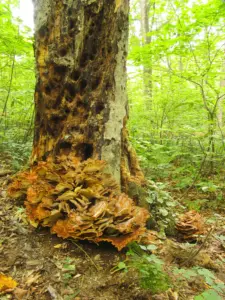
(163,212)
(121,265)
(208,295)
(151,247)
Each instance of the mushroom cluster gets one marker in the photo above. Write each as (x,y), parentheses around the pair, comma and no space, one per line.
(79,200)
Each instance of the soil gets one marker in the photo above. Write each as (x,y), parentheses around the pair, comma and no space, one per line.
(47,267)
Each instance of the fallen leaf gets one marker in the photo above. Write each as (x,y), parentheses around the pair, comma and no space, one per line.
(32,279)
(58,246)
(6,283)
(53,293)
(20,293)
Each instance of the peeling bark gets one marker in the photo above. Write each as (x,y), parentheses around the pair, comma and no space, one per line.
(80,96)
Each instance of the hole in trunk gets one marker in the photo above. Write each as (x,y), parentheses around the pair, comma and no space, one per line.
(47,90)
(85,150)
(84,60)
(95,83)
(99,108)
(62,52)
(83,84)
(71,88)
(56,118)
(43,32)
(71,24)
(70,11)
(109,49)
(60,70)
(75,75)
(64,147)
(67,110)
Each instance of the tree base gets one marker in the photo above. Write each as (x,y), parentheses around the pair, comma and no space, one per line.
(79,200)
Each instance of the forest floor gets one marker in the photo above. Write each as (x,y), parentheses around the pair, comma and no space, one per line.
(47,267)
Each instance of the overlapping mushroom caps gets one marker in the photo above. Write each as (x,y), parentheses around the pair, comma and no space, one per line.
(190,225)
(79,200)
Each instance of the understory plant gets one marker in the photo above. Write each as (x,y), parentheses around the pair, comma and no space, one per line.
(216,288)
(162,207)
(149,267)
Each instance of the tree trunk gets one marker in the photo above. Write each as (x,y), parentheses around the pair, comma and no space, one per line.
(81,112)
(221,100)
(145,30)
(80,98)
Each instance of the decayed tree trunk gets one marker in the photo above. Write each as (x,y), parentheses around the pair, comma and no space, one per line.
(80,98)
(80,123)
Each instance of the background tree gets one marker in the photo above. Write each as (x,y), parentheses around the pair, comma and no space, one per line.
(187,54)
(16,86)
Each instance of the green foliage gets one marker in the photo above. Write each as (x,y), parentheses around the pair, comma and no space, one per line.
(16,86)
(162,205)
(208,295)
(150,270)
(149,267)
(216,288)
(68,269)
(177,129)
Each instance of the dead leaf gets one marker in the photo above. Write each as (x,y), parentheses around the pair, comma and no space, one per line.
(53,293)
(58,246)
(6,283)
(32,279)
(173,295)
(20,293)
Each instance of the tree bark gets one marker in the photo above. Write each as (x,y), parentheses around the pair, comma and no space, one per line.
(80,96)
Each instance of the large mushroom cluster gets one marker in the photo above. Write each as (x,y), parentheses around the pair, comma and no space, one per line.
(79,200)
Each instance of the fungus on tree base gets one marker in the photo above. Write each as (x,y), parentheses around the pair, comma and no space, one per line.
(79,200)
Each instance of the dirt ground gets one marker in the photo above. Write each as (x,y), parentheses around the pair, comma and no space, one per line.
(47,267)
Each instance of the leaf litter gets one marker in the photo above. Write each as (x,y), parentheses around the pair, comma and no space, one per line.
(45,267)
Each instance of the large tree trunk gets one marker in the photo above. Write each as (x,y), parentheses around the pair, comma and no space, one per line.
(80,98)
(81,112)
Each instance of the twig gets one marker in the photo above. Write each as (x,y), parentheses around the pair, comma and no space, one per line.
(195,253)
(91,260)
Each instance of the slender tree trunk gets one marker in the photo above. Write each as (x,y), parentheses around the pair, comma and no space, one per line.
(80,97)
(145,30)
(221,100)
